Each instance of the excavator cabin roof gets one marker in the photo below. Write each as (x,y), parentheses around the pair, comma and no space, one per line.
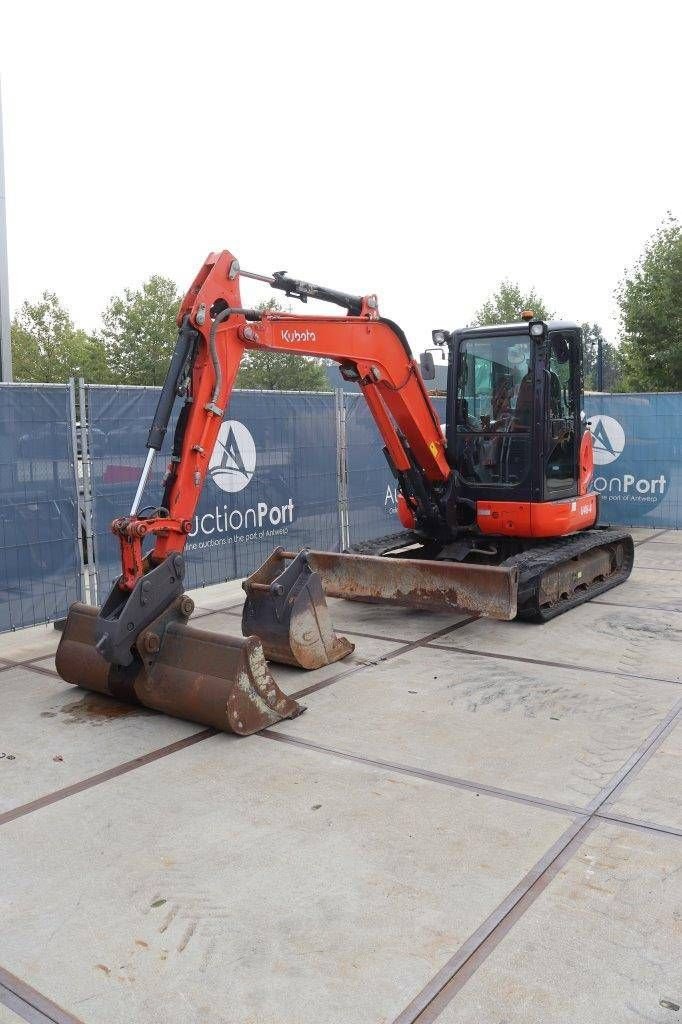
(520,327)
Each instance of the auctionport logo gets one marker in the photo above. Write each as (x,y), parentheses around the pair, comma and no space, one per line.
(608,439)
(233,461)
(608,444)
(231,468)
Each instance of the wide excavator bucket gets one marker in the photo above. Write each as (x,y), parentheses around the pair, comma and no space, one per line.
(215,680)
(285,599)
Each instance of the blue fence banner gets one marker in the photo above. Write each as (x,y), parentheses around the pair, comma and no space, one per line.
(372,495)
(272,479)
(40,564)
(637,450)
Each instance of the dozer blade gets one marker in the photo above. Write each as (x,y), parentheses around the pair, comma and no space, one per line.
(189,673)
(285,608)
(489,590)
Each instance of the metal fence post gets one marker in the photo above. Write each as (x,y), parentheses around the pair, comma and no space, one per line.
(76,477)
(87,492)
(342,467)
(600,363)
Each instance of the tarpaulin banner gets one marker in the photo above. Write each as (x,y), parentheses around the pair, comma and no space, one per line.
(372,493)
(39,526)
(637,451)
(272,479)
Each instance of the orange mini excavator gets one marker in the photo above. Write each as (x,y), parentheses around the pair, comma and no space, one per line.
(497,510)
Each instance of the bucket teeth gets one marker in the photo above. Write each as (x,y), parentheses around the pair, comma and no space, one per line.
(217,681)
(286,609)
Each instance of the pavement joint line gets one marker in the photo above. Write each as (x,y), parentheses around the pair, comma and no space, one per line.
(28,667)
(427,775)
(659,568)
(372,636)
(640,824)
(638,759)
(330,680)
(105,776)
(655,568)
(13,663)
(20,1008)
(31,1004)
(227,610)
(640,607)
(514,796)
(446,983)
(554,664)
(657,533)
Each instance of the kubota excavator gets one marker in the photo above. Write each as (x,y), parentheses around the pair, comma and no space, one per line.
(497,511)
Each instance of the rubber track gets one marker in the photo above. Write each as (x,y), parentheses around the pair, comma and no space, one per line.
(382,545)
(542,558)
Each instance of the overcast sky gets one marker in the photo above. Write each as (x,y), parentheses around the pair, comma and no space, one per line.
(420,150)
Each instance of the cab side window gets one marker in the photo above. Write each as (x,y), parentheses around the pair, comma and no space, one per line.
(560,471)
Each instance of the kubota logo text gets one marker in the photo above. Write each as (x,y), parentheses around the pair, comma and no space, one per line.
(295,337)
(233,461)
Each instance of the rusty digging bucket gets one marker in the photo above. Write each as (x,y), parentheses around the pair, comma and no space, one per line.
(285,603)
(215,680)
(285,608)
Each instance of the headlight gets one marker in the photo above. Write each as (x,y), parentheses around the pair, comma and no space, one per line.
(537,330)
(439,337)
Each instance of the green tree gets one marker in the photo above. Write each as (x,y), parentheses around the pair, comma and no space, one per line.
(272,370)
(650,300)
(506,304)
(140,331)
(611,369)
(48,348)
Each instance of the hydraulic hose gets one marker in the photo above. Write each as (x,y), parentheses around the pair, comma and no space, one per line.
(250,314)
(213,352)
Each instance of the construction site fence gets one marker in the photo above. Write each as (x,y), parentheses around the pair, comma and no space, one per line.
(290,469)
(40,556)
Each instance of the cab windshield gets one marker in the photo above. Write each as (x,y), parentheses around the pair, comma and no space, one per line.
(495,385)
(493,409)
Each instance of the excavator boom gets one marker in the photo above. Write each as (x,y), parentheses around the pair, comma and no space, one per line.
(215,330)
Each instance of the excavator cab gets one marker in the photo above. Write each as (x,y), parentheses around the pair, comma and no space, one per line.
(514,424)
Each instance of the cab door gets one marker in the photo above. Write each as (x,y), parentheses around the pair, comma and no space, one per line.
(562,405)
